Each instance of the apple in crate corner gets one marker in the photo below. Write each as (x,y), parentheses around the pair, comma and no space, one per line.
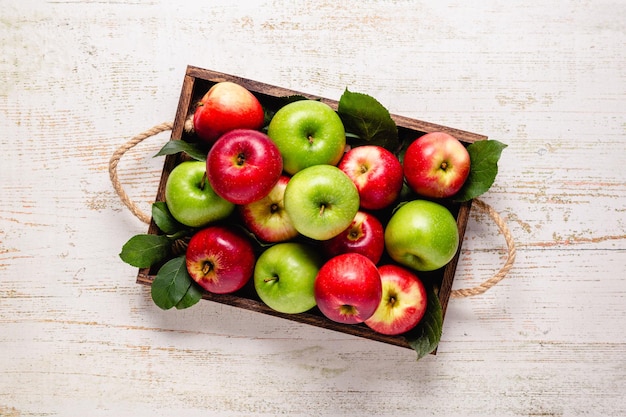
(377,174)
(243,165)
(422,235)
(220,259)
(307,132)
(190,198)
(321,201)
(365,235)
(403,303)
(267,217)
(348,288)
(225,107)
(436,165)
(284,276)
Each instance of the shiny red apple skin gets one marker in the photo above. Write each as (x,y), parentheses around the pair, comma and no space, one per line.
(377,174)
(267,218)
(403,303)
(220,259)
(225,107)
(243,165)
(436,165)
(348,288)
(365,235)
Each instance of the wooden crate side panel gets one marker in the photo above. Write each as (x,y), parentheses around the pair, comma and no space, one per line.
(196,82)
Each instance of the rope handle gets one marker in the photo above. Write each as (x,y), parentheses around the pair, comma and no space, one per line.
(115,159)
(464,292)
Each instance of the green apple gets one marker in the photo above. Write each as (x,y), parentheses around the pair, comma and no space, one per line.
(422,235)
(321,201)
(284,277)
(307,132)
(190,198)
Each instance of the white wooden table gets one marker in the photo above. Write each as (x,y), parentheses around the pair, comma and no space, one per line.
(78,336)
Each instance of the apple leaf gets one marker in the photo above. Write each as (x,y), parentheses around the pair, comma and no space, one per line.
(425,337)
(144,250)
(173,147)
(365,117)
(164,219)
(191,297)
(484,156)
(171,284)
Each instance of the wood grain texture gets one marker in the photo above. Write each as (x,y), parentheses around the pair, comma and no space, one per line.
(78,336)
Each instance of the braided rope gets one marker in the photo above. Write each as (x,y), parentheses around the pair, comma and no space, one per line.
(499,276)
(115,159)
(464,292)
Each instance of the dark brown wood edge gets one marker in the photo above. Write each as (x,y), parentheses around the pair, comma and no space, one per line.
(304,318)
(171,160)
(194,73)
(272,90)
(450,269)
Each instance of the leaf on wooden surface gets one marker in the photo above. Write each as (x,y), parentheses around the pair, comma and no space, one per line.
(171,283)
(164,219)
(425,337)
(144,250)
(484,157)
(173,147)
(365,117)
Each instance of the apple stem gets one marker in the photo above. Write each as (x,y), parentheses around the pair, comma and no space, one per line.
(348,310)
(444,165)
(206,268)
(241,159)
(272,278)
(322,208)
(203,181)
(310,139)
(392,301)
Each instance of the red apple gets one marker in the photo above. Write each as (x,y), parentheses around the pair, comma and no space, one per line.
(436,165)
(402,304)
(220,259)
(365,235)
(377,174)
(225,107)
(348,288)
(267,218)
(243,165)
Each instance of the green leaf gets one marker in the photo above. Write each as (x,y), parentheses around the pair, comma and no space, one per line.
(484,156)
(164,219)
(425,337)
(191,297)
(143,251)
(364,116)
(171,283)
(173,147)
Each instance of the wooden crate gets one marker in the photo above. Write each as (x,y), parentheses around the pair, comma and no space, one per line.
(197,82)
